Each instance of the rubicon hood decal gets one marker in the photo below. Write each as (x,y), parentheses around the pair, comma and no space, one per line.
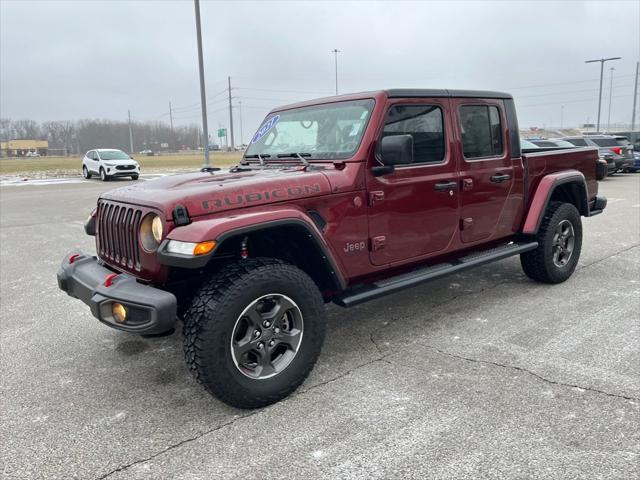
(204,193)
(275,195)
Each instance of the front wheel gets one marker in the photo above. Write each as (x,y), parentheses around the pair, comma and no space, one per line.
(134,177)
(103,175)
(559,245)
(254,332)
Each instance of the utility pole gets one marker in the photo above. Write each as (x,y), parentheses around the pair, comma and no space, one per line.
(203,96)
(610,95)
(171,139)
(602,60)
(635,98)
(231,116)
(335,52)
(130,134)
(240,112)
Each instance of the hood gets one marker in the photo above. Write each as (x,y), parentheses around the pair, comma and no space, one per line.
(204,193)
(128,161)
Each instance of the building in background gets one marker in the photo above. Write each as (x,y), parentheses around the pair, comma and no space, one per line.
(23,148)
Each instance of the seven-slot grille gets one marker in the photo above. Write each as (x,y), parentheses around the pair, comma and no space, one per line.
(118,227)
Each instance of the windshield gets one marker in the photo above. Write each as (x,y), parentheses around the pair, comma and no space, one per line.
(623,141)
(113,155)
(329,131)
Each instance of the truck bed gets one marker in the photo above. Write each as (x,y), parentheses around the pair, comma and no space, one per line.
(536,164)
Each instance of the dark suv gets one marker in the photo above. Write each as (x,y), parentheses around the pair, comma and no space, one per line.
(609,149)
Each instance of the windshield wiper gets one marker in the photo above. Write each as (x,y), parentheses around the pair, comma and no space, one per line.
(300,156)
(260,157)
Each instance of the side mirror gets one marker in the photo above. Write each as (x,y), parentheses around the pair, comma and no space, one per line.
(394,150)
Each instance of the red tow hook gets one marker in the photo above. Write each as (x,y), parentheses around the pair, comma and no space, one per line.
(73,258)
(109,280)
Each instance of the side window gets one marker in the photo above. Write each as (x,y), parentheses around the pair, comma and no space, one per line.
(96,156)
(481,131)
(424,123)
(90,155)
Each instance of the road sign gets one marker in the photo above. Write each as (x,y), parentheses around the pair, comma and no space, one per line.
(222,132)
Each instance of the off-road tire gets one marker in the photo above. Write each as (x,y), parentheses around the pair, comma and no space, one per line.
(212,316)
(85,172)
(538,264)
(103,175)
(134,177)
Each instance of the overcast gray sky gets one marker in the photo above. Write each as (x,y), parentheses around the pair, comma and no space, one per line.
(87,59)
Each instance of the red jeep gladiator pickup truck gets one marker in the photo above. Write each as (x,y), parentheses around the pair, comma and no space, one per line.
(342,199)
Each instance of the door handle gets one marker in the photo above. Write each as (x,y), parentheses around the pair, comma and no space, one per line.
(499,178)
(443,187)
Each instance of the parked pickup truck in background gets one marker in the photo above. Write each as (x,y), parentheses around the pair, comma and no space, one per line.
(343,199)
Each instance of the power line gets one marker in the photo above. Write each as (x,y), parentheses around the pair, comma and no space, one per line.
(567,91)
(282,91)
(560,83)
(568,101)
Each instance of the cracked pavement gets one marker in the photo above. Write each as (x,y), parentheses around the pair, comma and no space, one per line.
(481,375)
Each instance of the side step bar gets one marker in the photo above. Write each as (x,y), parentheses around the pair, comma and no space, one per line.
(426,274)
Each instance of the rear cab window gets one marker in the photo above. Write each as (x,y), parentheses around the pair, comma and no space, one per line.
(578,142)
(605,142)
(425,124)
(481,129)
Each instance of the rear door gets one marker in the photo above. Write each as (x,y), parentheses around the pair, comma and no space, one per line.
(413,211)
(486,170)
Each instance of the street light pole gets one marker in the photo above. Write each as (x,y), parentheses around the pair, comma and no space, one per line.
(130,134)
(335,52)
(203,96)
(240,112)
(635,98)
(610,95)
(601,60)
(231,117)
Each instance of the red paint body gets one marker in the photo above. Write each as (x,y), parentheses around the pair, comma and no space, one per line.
(401,219)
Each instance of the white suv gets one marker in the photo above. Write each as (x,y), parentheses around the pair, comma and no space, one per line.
(108,163)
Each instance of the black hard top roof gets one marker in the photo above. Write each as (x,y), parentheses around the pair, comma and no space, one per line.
(441,92)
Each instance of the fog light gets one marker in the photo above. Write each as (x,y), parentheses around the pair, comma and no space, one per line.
(119,312)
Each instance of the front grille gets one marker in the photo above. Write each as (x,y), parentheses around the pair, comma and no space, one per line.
(125,167)
(117,233)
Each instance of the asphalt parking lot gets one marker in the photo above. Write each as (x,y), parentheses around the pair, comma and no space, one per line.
(482,375)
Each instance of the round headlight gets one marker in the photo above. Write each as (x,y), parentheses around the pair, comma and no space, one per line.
(156,228)
(151,232)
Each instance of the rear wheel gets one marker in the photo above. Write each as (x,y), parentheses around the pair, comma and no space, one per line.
(103,175)
(254,332)
(85,172)
(559,245)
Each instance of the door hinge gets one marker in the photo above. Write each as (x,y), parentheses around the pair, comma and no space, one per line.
(375,197)
(378,243)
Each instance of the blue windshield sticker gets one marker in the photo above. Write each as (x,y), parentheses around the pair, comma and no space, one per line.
(264,129)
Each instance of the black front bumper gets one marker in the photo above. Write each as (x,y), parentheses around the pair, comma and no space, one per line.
(149,310)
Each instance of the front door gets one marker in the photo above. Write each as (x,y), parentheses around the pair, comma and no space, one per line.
(413,211)
(486,170)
